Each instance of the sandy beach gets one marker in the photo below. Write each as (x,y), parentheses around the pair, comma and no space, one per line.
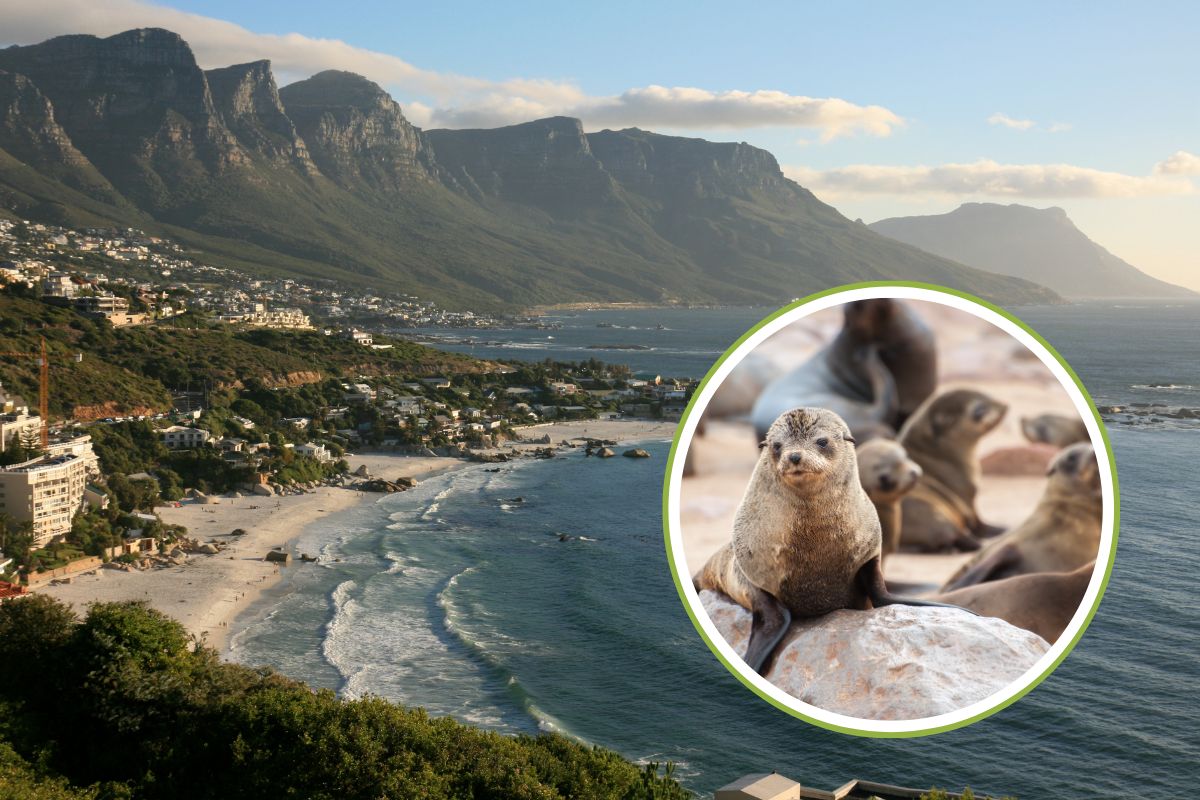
(208,592)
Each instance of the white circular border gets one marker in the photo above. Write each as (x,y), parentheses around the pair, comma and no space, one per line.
(1082,406)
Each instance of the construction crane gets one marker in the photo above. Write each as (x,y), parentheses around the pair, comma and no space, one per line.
(43,385)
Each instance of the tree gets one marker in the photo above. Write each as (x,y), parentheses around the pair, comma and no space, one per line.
(16,539)
(139,495)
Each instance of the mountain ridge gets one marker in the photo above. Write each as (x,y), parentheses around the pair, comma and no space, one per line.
(325,177)
(1024,241)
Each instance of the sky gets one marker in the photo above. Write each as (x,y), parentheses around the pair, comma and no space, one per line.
(882,109)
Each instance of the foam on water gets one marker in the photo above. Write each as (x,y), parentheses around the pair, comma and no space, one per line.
(480,612)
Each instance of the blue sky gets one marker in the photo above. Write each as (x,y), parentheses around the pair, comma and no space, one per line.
(1088,102)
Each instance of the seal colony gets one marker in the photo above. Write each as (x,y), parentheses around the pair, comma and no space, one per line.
(806,537)
(822,513)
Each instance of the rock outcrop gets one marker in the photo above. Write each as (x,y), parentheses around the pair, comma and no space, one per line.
(248,101)
(896,662)
(356,132)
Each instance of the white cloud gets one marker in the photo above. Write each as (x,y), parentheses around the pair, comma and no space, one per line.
(445,99)
(1180,163)
(1009,122)
(985,178)
(1059,127)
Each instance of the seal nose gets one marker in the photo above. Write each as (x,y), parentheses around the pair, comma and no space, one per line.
(887,482)
(794,458)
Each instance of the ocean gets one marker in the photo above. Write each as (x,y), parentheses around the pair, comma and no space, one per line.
(539,598)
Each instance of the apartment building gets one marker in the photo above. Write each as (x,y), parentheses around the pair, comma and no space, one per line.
(45,491)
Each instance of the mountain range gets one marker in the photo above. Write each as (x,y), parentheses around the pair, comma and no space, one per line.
(1039,244)
(326,178)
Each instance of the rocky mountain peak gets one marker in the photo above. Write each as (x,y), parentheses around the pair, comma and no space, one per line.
(1041,244)
(355,131)
(653,162)
(248,101)
(547,163)
(135,104)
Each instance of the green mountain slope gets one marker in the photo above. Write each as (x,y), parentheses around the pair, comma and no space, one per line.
(134,369)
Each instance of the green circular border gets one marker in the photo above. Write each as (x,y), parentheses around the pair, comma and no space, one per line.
(667,521)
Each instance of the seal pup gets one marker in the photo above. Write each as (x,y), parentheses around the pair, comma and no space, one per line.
(1042,602)
(939,513)
(806,539)
(887,474)
(1062,533)
(1054,429)
(847,376)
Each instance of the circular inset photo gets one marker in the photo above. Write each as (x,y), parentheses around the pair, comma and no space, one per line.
(891,509)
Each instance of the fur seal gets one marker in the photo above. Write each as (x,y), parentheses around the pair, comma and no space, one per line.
(887,474)
(1062,533)
(1054,429)
(909,351)
(939,513)
(847,376)
(806,539)
(1043,602)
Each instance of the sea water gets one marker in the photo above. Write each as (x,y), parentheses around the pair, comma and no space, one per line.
(538,597)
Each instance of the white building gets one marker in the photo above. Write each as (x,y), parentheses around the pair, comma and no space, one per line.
(178,437)
(45,491)
(314,450)
(19,426)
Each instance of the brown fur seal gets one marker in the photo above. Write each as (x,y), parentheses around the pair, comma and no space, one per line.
(806,539)
(887,474)
(1055,429)
(1062,533)
(939,514)
(909,351)
(1043,602)
(848,377)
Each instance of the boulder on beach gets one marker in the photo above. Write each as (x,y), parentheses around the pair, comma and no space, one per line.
(1028,460)
(636,452)
(264,490)
(277,556)
(895,662)
(606,452)
(406,482)
(362,471)
(208,548)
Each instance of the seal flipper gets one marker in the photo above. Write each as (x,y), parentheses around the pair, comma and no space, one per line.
(870,580)
(769,622)
(987,531)
(989,567)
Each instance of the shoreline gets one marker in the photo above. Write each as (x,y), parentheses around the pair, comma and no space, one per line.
(208,593)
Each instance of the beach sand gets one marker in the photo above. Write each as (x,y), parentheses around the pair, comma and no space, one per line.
(208,592)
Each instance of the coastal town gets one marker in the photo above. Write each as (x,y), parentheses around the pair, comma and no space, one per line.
(132,278)
(81,492)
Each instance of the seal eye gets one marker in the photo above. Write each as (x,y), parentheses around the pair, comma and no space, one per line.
(777,447)
(822,443)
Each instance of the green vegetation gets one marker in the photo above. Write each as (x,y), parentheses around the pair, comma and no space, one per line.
(137,367)
(967,794)
(121,705)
